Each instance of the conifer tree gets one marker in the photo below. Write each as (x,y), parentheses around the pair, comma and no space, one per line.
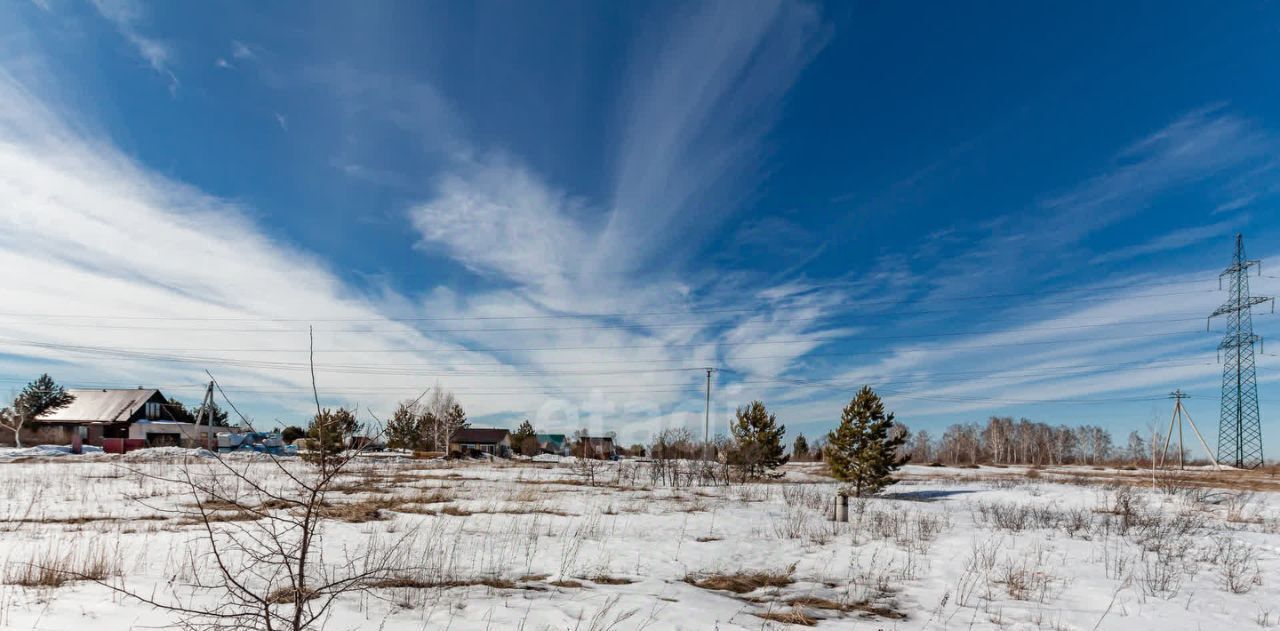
(863,451)
(330,429)
(800,449)
(404,428)
(42,395)
(38,397)
(757,440)
(525,439)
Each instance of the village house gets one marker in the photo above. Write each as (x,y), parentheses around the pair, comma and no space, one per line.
(597,447)
(553,444)
(495,442)
(117,419)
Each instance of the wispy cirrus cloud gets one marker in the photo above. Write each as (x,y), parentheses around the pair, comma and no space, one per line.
(1174,240)
(166,281)
(701,98)
(1042,240)
(127,16)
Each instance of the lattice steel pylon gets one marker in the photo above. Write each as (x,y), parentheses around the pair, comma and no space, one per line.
(1240,426)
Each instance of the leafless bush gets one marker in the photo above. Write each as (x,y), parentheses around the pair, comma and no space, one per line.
(794,523)
(1077,523)
(1160,575)
(1266,618)
(588,469)
(1016,517)
(975,581)
(1237,565)
(1029,577)
(811,496)
(1240,508)
(875,577)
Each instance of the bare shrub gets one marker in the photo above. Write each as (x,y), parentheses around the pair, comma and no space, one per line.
(1240,508)
(1016,517)
(1077,523)
(793,523)
(1237,565)
(1028,577)
(810,496)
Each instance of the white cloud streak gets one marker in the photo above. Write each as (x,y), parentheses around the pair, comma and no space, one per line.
(126,15)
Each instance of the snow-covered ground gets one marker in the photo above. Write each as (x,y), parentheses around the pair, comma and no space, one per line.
(529,545)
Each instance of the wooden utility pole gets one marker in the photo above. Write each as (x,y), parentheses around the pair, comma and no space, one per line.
(706,420)
(206,413)
(1178,413)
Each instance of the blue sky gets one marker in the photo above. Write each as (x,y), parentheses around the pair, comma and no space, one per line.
(563,211)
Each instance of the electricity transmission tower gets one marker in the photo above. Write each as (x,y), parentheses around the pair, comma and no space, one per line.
(1240,426)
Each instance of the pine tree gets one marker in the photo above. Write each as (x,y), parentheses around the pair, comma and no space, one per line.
(525,439)
(404,428)
(456,417)
(757,440)
(38,397)
(800,449)
(330,429)
(292,433)
(42,395)
(179,412)
(863,451)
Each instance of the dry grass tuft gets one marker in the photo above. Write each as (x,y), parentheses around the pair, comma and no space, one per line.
(55,567)
(359,512)
(82,519)
(566,584)
(610,580)
(285,595)
(404,582)
(743,582)
(795,616)
(434,496)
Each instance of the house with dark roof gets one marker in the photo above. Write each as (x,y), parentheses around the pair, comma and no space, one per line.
(597,447)
(471,440)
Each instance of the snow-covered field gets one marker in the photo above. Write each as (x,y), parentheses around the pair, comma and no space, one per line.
(531,546)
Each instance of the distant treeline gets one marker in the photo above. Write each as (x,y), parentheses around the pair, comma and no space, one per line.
(1005,440)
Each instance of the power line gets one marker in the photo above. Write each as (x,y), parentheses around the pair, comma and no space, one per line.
(621,314)
(690,387)
(586,327)
(933,376)
(711,344)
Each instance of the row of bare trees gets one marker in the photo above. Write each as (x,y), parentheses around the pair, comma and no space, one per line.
(1004,440)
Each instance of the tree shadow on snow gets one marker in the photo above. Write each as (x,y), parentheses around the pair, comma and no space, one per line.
(925,496)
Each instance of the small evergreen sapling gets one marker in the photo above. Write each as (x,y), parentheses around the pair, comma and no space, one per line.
(525,439)
(757,440)
(863,452)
